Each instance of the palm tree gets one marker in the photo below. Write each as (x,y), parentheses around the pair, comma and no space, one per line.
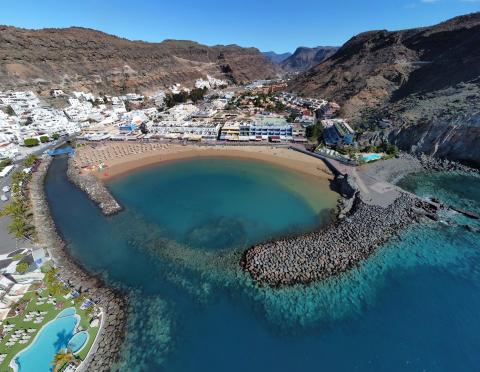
(63,357)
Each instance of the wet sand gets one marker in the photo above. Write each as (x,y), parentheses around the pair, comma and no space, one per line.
(120,158)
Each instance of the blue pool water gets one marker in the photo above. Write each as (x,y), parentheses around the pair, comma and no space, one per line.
(78,340)
(52,338)
(412,306)
(371,157)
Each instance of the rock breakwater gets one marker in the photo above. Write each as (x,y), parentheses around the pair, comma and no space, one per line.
(444,165)
(94,188)
(340,246)
(106,349)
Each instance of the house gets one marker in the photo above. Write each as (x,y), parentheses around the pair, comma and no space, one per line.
(337,132)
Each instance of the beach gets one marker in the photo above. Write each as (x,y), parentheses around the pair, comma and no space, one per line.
(113,159)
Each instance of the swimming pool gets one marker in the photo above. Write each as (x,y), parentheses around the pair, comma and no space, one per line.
(53,337)
(78,341)
(371,157)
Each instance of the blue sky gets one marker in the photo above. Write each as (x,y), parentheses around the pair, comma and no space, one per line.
(279,25)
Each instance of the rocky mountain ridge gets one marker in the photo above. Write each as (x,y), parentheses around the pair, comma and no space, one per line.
(277,57)
(77,58)
(426,80)
(304,58)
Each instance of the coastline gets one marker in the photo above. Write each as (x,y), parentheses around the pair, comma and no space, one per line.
(119,162)
(105,350)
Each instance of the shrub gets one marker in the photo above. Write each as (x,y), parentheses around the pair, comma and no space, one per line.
(44,139)
(22,268)
(55,136)
(30,142)
(30,160)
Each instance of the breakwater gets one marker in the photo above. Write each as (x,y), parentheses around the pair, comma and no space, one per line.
(106,349)
(361,228)
(94,188)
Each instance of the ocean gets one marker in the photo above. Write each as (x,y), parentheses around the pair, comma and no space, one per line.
(412,306)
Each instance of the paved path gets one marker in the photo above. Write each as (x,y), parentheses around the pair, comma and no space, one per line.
(372,190)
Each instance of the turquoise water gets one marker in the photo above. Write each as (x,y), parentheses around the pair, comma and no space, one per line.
(371,157)
(52,338)
(221,203)
(412,306)
(77,341)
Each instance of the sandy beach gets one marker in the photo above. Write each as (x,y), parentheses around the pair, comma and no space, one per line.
(113,159)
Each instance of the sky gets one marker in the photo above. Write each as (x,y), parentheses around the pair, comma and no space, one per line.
(278,25)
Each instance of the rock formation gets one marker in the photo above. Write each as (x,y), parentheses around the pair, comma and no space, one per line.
(76,58)
(304,58)
(426,80)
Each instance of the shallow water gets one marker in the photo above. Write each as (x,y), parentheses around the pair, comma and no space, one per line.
(412,306)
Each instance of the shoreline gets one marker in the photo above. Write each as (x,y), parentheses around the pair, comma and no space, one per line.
(337,248)
(123,165)
(105,350)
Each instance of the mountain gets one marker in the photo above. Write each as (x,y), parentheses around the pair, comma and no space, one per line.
(277,57)
(75,58)
(426,80)
(304,58)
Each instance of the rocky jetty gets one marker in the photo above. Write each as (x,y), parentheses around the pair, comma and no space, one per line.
(443,165)
(94,188)
(335,249)
(106,349)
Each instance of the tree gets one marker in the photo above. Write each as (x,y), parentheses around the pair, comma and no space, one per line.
(197,94)
(30,142)
(5,162)
(20,227)
(292,117)
(10,110)
(22,267)
(63,357)
(314,132)
(44,139)
(55,136)
(30,160)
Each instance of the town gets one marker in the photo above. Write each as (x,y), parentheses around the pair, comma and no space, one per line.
(210,113)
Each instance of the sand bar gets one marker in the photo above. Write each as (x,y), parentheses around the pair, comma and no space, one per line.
(113,159)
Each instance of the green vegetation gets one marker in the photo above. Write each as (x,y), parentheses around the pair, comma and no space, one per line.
(18,209)
(30,302)
(347,150)
(291,118)
(17,257)
(22,267)
(30,142)
(9,110)
(197,94)
(315,132)
(4,163)
(30,160)
(386,147)
(44,139)
(62,358)
(55,136)
(20,225)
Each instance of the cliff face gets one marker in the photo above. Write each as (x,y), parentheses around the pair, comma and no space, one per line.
(277,57)
(304,58)
(417,78)
(84,58)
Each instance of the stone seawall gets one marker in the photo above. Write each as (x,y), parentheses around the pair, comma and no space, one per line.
(94,188)
(337,248)
(106,349)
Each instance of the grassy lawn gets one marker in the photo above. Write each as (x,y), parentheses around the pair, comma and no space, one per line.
(52,311)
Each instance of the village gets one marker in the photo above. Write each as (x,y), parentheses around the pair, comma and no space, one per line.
(212,113)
